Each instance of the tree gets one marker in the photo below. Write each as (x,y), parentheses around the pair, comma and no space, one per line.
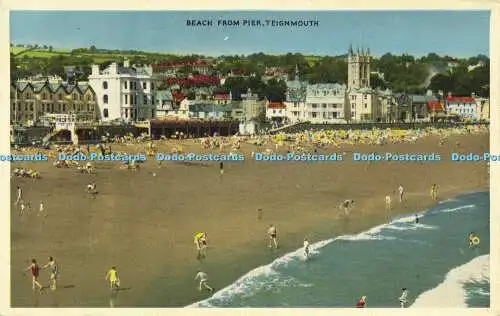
(50,48)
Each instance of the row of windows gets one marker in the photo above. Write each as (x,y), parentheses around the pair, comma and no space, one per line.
(365,96)
(54,107)
(133,114)
(51,108)
(133,85)
(353,105)
(49,96)
(325,92)
(133,99)
(463,111)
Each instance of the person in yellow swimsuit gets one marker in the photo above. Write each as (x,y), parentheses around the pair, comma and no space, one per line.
(112,276)
(434,192)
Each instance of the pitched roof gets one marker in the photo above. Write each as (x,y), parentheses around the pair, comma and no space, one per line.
(276,105)
(460,100)
(435,106)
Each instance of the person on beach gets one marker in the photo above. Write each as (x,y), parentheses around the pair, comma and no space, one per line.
(19,195)
(401,193)
(112,276)
(221,167)
(35,272)
(434,192)
(54,273)
(91,188)
(346,206)
(41,209)
(417,219)
(361,302)
(306,248)
(388,202)
(23,208)
(403,299)
(200,240)
(259,214)
(272,232)
(203,277)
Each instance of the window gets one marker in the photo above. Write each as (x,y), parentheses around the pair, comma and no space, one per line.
(353,105)
(366,105)
(324,105)
(44,96)
(105,99)
(31,107)
(59,96)
(105,113)
(105,85)
(314,114)
(64,107)
(125,85)
(144,85)
(152,113)
(145,99)
(314,105)
(75,96)
(274,111)
(365,97)
(126,99)
(152,86)
(126,113)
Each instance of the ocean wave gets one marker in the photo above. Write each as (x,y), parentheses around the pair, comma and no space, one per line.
(451,292)
(459,208)
(261,277)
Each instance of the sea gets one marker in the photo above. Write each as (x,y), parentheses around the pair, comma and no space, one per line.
(431,258)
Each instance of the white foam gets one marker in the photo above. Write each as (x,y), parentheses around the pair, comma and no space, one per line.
(451,292)
(459,208)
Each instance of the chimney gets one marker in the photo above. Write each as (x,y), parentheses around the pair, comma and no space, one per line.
(126,63)
(429,93)
(113,69)
(95,70)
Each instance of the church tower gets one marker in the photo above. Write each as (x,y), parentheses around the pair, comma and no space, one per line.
(358,73)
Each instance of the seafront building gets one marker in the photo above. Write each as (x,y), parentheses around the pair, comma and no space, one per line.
(324,103)
(30,102)
(465,107)
(124,93)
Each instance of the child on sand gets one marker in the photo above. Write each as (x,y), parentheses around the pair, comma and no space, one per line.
(434,192)
(35,272)
(112,276)
(272,236)
(203,277)
(54,273)
(19,195)
(401,193)
(41,209)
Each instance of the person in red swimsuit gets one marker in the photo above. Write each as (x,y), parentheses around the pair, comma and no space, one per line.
(35,272)
(361,302)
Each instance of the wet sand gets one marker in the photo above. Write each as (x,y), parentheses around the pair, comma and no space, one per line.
(145,224)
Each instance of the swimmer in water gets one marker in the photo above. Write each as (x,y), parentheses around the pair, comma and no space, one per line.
(306,248)
(403,299)
(472,235)
(417,220)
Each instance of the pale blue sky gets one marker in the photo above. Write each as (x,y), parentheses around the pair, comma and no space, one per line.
(456,33)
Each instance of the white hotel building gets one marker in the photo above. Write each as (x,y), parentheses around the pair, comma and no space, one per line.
(124,93)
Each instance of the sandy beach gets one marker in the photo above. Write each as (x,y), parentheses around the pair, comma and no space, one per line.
(144,224)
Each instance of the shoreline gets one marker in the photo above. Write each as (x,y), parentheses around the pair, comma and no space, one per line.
(324,242)
(150,239)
